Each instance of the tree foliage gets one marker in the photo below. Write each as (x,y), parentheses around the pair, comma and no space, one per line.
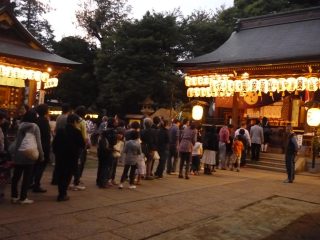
(136,58)
(138,62)
(101,18)
(30,13)
(79,86)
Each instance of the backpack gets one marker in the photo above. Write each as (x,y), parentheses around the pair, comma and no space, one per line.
(29,146)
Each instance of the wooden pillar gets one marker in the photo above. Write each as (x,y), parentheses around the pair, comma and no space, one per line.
(235,110)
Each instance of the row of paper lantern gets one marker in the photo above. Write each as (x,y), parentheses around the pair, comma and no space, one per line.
(265,85)
(21,73)
(207,92)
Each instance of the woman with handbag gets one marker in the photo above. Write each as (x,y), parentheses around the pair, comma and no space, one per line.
(26,150)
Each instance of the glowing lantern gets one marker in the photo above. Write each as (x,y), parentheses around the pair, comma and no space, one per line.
(190,92)
(281,87)
(200,81)
(292,84)
(245,86)
(312,84)
(203,92)
(273,84)
(187,81)
(301,83)
(230,86)
(264,85)
(208,92)
(197,92)
(214,85)
(313,117)
(237,85)
(254,85)
(206,81)
(194,81)
(197,112)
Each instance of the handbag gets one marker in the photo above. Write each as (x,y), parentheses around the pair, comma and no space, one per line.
(29,147)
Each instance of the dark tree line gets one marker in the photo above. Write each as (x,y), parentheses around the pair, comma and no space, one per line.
(135,58)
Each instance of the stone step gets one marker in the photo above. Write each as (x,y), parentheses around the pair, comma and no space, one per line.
(275,156)
(270,162)
(268,168)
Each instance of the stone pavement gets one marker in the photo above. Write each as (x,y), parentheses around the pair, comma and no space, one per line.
(251,204)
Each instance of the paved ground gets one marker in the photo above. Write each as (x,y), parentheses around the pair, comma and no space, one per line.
(252,204)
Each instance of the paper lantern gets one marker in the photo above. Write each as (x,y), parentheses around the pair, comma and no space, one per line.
(190,92)
(206,81)
(200,81)
(197,92)
(237,85)
(291,84)
(208,92)
(230,86)
(187,81)
(301,83)
(194,81)
(264,85)
(203,92)
(312,84)
(281,86)
(273,84)
(313,117)
(197,112)
(254,85)
(245,86)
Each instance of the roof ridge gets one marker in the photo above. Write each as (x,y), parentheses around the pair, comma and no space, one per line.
(299,15)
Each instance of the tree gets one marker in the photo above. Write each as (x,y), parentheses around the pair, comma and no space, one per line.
(30,13)
(101,18)
(250,8)
(137,61)
(77,87)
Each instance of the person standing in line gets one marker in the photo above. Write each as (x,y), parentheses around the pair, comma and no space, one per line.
(291,153)
(266,134)
(117,153)
(224,136)
(77,184)
(45,133)
(197,152)
(174,134)
(61,123)
(245,141)
(107,141)
(188,139)
(67,146)
(163,148)
(237,150)
(148,145)
(256,134)
(23,165)
(211,147)
(132,149)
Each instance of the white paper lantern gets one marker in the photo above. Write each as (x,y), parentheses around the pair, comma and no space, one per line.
(301,83)
(197,112)
(312,84)
(313,117)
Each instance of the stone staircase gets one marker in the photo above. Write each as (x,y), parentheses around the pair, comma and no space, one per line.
(269,161)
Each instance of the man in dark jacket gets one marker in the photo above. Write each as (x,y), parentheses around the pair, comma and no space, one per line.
(39,167)
(291,152)
(67,146)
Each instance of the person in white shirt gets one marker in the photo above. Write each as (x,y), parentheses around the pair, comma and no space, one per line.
(196,155)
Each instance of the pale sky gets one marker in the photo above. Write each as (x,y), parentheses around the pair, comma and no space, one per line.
(63,20)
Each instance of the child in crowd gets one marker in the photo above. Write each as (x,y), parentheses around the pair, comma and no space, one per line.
(196,155)
(237,150)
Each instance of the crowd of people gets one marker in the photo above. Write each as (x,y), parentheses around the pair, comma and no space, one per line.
(181,148)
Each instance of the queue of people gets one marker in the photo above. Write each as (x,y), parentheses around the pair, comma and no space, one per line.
(138,147)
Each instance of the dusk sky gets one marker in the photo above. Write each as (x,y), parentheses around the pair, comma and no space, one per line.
(63,20)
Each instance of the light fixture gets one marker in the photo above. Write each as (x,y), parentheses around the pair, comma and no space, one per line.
(313,117)
(197,112)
